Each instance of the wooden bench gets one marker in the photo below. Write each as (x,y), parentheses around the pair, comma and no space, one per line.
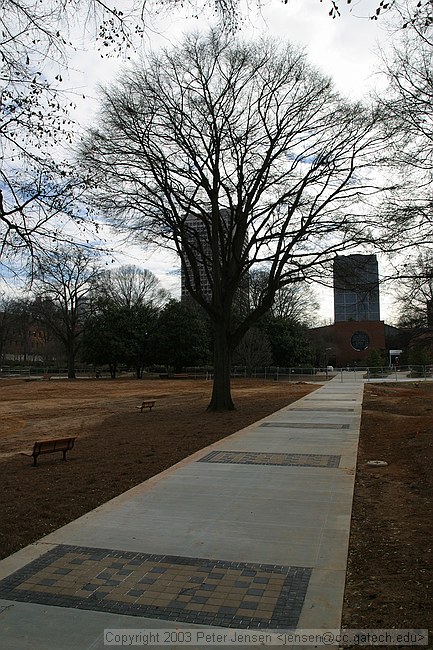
(50,446)
(147,403)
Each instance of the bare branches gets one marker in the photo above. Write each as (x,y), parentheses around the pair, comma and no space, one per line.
(408,120)
(246,140)
(39,208)
(409,102)
(235,155)
(62,281)
(35,40)
(129,286)
(414,294)
(414,14)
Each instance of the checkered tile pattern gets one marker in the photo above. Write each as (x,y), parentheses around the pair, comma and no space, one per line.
(319,409)
(304,425)
(193,590)
(319,398)
(260,458)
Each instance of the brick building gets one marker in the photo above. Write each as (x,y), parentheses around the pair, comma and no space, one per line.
(357,328)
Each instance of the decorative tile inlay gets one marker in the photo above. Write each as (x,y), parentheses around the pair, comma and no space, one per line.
(304,425)
(191,590)
(334,399)
(262,458)
(337,409)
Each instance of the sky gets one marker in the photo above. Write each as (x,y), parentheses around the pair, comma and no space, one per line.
(345,48)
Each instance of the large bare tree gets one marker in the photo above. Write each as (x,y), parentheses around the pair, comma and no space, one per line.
(36,39)
(62,280)
(234,155)
(130,286)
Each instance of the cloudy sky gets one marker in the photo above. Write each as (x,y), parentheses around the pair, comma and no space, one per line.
(345,48)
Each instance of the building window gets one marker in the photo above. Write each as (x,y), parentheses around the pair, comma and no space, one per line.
(360,341)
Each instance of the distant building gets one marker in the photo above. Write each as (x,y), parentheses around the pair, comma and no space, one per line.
(197,235)
(198,240)
(350,342)
(356,288)
(357,329)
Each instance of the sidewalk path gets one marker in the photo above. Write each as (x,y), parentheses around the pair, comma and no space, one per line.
(250,533)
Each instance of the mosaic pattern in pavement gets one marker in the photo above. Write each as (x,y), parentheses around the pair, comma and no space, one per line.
(263,458)
(319,409)
(304,425)
(192,590)
(334,399)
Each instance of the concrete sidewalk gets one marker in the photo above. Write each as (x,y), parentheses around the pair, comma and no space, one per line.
(249,534)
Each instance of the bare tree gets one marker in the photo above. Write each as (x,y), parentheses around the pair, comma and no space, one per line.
(62,281)
(6,323)
(235,155)
(408,101)
(253,351)
(414,294)
(407,107)
(37,191)
(130,286)
(296,302)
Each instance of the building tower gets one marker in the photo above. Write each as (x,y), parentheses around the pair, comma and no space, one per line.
(196,229)
(356,288)
(197,233)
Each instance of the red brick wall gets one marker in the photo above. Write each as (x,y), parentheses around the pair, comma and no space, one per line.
(338,339)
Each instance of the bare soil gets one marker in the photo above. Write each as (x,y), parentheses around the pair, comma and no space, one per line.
(117,447)
(390,569)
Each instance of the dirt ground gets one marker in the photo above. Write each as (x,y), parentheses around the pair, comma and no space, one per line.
(118,446)
(390,571)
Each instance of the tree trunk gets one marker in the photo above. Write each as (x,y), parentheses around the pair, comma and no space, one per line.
(221,391)
(71,369)
(71,364)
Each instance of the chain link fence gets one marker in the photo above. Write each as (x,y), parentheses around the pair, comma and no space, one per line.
(270,373)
